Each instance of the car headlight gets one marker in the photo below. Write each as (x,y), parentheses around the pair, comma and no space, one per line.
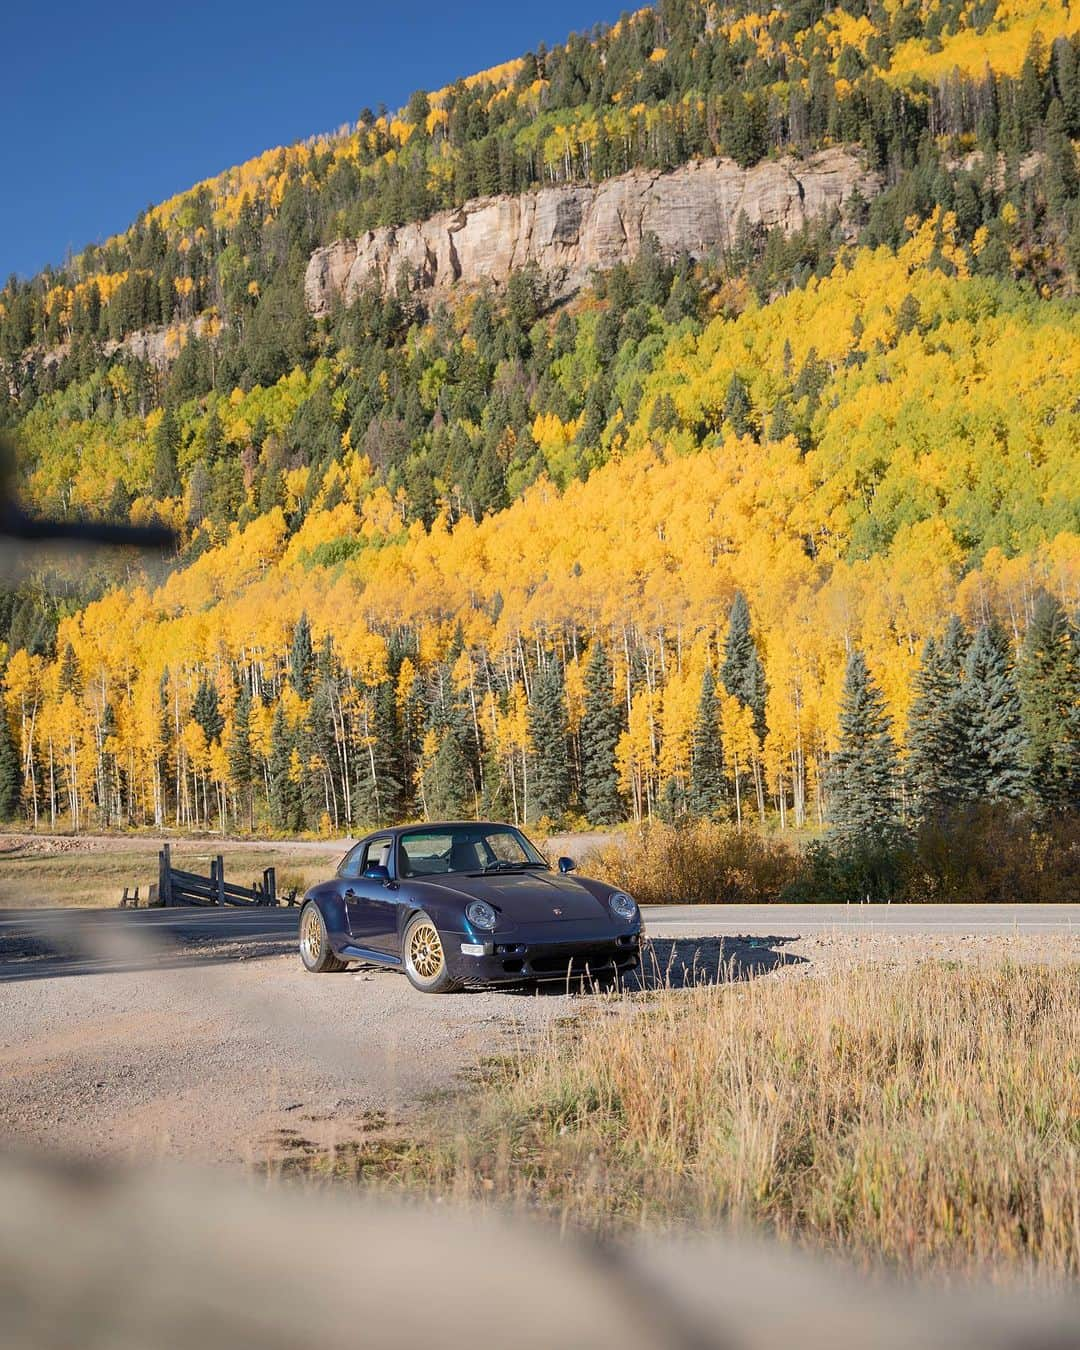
(622,905)
(481,915)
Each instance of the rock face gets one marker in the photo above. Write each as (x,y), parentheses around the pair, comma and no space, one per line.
(569,231)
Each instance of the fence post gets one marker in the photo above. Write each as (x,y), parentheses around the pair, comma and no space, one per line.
(221,879)
(165,876)
(270,886)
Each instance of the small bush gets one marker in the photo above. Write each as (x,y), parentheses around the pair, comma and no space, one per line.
(985,855)
(699,862)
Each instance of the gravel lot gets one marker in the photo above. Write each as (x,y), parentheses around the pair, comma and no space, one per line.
(229,1052)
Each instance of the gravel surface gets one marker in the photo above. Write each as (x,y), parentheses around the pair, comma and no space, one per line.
(227,1051)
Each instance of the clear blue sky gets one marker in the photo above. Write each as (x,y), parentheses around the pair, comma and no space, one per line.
(106,108)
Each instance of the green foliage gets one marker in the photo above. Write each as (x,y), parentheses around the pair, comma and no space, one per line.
(707,788)
(742,673)
(10,771)
(601,725)
(206,712)
(997,745)
(864,773)
(302,657)
(446,780)
(166,478)
(286,803)
(550,786)
(1049,678)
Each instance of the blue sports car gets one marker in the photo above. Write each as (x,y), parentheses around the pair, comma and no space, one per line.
(466,904)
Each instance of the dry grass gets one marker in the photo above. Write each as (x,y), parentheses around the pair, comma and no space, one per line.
(925,1119)
(49,871)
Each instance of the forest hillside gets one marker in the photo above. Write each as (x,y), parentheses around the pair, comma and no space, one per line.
(782,525)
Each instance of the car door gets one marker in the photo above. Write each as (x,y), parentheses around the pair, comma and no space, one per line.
(369,902)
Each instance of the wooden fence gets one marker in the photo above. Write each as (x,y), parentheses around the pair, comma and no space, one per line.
(177,887)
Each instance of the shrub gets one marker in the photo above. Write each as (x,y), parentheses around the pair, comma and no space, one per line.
(983,855)
(699,862)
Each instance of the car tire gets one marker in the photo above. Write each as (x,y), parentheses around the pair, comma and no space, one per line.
(315,950)
(423,957)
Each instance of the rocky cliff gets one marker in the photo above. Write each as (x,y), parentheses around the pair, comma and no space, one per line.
(569,231)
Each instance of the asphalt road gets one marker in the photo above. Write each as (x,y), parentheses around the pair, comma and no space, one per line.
(82,941)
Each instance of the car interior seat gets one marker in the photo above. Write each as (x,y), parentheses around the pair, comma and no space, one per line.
(464,856)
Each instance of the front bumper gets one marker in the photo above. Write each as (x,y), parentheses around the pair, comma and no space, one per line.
(516,957)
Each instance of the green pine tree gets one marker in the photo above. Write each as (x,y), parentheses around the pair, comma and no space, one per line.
(737,406)
(206,712)
(1049,679)
(241,758)
(447,781)
(997,745)
(706,754)
(548,730)
(380,779)
(301,658)
(10,770)
(71,681)
(742,674)
(286,807)
(165,481)
(939,771)
(601,725)
(864,774)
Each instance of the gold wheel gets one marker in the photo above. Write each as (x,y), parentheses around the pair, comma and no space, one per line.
(425,951)
(311,937)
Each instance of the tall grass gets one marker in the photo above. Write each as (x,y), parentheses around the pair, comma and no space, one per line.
(925,1119)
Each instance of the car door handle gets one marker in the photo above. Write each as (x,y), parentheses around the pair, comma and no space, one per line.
(350,894)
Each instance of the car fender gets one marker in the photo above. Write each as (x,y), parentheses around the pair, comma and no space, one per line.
(332,908)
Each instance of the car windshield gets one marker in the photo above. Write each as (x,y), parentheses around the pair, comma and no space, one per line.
(465,848)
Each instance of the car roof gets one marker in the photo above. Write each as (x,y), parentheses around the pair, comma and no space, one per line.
(433,825)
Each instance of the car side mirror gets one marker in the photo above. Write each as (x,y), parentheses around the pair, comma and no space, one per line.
(376,872)
(566,864)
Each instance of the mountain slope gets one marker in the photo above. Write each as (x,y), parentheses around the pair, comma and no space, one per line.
(396,514)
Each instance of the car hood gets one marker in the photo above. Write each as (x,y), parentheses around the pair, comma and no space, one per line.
(523,897)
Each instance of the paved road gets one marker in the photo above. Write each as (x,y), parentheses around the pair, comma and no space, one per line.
(800,920)
(270,932)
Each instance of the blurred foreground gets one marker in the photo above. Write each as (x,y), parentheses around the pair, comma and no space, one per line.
(179,1259)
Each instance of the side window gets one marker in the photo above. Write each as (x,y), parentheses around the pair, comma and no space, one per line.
(350,864)
(378,854)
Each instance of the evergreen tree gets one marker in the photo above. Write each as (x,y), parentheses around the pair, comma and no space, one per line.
(285,800)
(938,768)
(301,657)
(864,773)
(380,780)
(550,787)
(955,642)
(166,477)
(742,674)
(10,770)
(318,791)
(447,781)
(70,673)
(206,712)
(997,746)
(241,759)
(737,406)
(706,754)
(1049,678)
(601,725)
